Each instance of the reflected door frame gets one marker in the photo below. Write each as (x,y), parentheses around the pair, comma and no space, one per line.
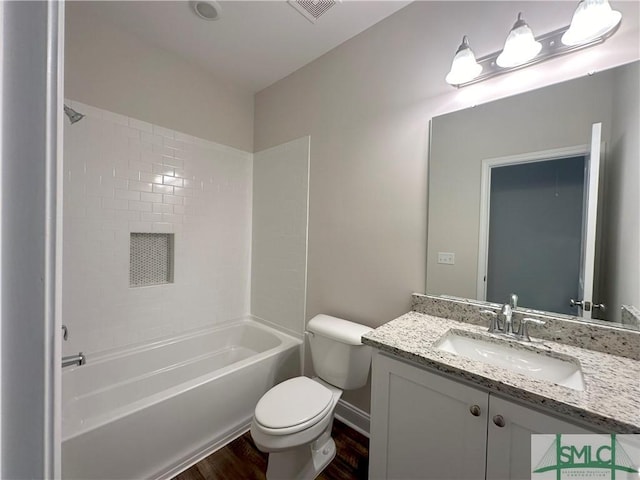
(485,202)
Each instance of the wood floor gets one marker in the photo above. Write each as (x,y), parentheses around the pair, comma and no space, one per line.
(241,460)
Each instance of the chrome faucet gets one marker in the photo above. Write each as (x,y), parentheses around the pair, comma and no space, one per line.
(494,322)
(523,331)
(503,323)
(507,313)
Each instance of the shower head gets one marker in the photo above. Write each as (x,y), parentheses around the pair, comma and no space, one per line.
(73,115)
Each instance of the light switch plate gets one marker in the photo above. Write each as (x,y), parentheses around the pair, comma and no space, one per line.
(447,258)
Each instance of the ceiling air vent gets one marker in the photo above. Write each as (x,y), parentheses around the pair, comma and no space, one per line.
(313,9)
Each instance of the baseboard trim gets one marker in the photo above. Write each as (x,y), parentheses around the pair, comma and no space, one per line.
(352,416)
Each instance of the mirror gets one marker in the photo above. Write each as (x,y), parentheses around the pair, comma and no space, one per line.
(508,185)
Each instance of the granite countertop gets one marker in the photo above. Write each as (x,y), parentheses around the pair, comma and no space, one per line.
(610,401)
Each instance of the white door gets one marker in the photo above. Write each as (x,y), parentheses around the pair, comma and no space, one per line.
(593,164)
(589,230)
(539,158)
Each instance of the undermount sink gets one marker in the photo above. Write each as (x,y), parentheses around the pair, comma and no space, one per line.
(513,356)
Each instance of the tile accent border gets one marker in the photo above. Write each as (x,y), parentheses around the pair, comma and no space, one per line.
(564,329)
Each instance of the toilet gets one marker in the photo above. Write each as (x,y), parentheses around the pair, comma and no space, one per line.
(292,421)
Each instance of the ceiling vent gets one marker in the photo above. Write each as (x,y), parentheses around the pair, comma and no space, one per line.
(313,9)
(206,9)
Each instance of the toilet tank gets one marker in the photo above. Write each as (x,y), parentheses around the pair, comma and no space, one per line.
(338,355)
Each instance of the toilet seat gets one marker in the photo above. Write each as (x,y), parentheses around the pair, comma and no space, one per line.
(293,406)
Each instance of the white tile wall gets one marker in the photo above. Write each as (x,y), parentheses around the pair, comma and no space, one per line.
(280,213)
(123,175)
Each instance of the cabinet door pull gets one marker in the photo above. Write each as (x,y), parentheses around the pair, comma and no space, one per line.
(475,410)
(499,420)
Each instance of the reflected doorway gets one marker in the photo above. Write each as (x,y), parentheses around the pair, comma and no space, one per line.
(536,212)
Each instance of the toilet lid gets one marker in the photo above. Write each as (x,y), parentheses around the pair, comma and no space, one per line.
(293,402)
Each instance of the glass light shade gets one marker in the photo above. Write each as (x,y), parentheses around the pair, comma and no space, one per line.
(591,20)
(520,46)
(464,67)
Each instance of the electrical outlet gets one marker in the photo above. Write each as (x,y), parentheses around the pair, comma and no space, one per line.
(447,258)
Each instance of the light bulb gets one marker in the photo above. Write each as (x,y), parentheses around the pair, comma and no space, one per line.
(520,46)
(591,20)
(464,67)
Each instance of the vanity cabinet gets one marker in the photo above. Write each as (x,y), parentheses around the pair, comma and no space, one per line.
(426,426)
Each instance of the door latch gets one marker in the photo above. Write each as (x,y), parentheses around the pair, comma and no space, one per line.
(586,306)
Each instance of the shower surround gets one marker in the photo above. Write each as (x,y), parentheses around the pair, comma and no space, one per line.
(122,176)
(184,359)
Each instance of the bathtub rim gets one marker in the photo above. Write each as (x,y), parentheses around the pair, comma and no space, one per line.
(286,342)
(141,346)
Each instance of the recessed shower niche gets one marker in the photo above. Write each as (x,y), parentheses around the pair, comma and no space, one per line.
(151,259)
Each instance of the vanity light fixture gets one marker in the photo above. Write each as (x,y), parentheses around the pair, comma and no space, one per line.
(464,67)
(520,46)
(592,19)
(593,22)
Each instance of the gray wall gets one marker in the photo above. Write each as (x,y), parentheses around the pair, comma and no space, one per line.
(115,70)
(622,225)
(367,106)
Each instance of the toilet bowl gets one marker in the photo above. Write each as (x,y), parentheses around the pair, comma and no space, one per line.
(292,421)
(297,437)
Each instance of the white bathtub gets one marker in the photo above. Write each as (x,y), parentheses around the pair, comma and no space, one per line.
(152,411)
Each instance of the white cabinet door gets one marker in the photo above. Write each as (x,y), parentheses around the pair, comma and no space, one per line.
(509,446)
(422,425)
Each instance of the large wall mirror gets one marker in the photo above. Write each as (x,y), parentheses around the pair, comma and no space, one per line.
(538,194)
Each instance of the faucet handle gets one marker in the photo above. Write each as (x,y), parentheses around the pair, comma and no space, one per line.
(513,300)
(493,322)
(535,321)
(524,327)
